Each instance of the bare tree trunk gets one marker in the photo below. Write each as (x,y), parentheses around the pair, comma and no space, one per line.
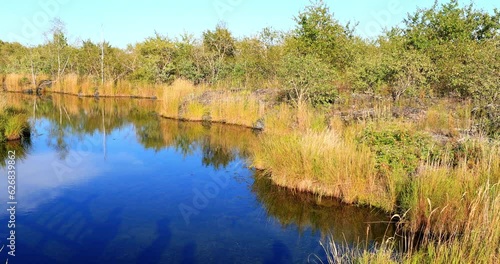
(33,76)
(58,62)
(102,57)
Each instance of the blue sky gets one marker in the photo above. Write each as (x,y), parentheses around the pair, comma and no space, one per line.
(127,22)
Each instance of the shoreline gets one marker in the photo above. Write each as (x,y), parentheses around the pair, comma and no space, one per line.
(305,183)
(84,95)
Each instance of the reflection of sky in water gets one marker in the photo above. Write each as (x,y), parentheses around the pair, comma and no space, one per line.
(120,204)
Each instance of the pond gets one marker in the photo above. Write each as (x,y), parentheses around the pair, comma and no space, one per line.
(109,181)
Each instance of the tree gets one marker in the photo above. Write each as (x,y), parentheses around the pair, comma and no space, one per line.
(251,66)
(155,60)
(446,23)
(189,59)
(58,47)
(453,38)
(318,33)
(307,80)
(219,46)
(89,59)
(406,70)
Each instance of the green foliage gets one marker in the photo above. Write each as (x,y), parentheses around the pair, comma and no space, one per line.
(442,24)
(307,78)
(219,41)
(444,50)
(189,60)
(220,49)
(156,57)
(461,42)
(391,67)
(318,33)
(488,116)
(407,71)
(397,149)
(13,124)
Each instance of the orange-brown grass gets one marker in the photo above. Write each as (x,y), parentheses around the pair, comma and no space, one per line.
(443,193)
(477,241)
(67,84)
(85,85)
(17,82)
(279,120)
(185,101)
(238,108)
(174,96)
(447,118)
(323,163)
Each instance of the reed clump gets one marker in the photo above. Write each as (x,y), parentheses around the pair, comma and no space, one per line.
(14,123)
(74,84)
(185,101)
(323,163)
(17,82)
(476,241)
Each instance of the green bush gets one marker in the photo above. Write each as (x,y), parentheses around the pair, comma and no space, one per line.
(13,124)
(397,149)
(307,79)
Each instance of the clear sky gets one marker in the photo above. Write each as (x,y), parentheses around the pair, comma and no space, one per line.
(127,22)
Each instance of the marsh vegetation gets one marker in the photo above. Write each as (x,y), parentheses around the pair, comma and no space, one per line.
(408,123)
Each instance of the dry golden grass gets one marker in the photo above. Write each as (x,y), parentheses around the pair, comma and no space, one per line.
(17,82)
(86,86)
(447,117)
(477,241)
(174,96)
(237,108)
(279,120)
(3,103)
(323,163)
(443,193)
(195,111)
(185,101)
(67,84)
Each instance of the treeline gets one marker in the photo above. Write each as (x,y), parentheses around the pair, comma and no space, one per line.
(440,51)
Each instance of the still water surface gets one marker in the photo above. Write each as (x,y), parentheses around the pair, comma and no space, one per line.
(108,181)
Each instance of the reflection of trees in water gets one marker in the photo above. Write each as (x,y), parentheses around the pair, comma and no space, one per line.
(216,156)
(55,139)
(219,144)
(21,148)
(81,117)
(346,223)
(147,128)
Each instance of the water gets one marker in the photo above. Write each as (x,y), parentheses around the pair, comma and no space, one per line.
(108,181)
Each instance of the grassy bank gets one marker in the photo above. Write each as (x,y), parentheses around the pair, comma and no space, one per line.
(86,86)
(183,100)
(425,161)
(478,241)
(386,164)
(13,123)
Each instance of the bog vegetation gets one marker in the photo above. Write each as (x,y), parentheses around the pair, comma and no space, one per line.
(13,123)
(408,122)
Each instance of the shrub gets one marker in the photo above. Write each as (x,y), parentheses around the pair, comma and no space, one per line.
(13,124)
